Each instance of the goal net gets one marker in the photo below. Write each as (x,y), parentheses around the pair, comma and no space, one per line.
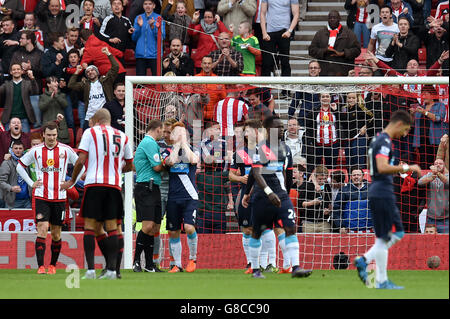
(329,123)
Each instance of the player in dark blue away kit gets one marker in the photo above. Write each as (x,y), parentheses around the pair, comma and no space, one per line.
(270,200)
(382,202)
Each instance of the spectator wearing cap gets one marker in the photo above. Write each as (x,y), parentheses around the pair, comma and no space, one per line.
(97,90)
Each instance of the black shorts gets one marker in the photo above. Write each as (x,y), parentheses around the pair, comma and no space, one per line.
(50,211)
(385,217)
(148,203)
(102,203)
(244,214)
(266,216)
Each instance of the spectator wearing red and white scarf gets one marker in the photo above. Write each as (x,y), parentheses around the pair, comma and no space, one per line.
(358,17)
(336,44)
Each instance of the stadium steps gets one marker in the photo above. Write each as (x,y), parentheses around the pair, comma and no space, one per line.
(311,21)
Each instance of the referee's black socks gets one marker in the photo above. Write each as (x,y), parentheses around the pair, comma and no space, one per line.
(144,243)
(112,248)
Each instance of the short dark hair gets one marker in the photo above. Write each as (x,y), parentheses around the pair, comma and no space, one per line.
(30,35)
(49,125)
(118,84)
(154,124)
(91,1)
(386,6)
(338,176)
(54,37)
(255,91)
(253,123)
(17,142)
(268,121)
(401,116)
(85,34)
(74,51)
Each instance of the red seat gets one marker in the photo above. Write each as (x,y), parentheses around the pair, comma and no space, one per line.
(129,57)
(422,55)
(71,138)
(78,137)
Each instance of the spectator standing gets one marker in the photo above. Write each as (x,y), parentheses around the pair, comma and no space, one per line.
(403,47)
(101,10)
(51,19)
(216,92)
(116,107)
(145,35)
(305,102)
(401,8)
(16,96)
(16,193)
(324,127)
(227,61)
(335,44)
(355,119)
(72,39)
(248,46)
(293,137)
(234,12)
(228,112)
(316,202)
(256,109)
(92,53)
(13,132)
(54,60)
(181,21)
(29,24)
(436,42)
(136,8)
(205,32)
(278,21)
(88,20)
(13,9)
(177,61)
(29,57)
(9,43)
(51,103)
(429,126)
(212,181)
(437,196)
(357,18)
(381,34)
(350,209)
(116,28)
(96,89)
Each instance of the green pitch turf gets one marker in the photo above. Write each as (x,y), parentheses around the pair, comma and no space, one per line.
(220,284)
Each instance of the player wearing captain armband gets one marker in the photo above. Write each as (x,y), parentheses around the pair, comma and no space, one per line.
(182,203)
(50,160)
(382,201)
(270,200)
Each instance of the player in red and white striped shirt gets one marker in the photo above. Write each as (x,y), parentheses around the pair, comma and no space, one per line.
(105,148)
(51,160)
(229,111)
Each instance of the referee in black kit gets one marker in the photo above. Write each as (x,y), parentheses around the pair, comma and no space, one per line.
(147,195)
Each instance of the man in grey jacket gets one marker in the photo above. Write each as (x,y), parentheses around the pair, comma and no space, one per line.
(14,189)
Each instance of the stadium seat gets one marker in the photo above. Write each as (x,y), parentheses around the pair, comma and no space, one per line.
(78,136)
(341,160)
(76,119)
(71,138)
(129,58)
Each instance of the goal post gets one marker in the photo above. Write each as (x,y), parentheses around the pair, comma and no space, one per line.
(292,84)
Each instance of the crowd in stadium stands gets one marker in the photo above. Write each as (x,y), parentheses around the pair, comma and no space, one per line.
(52,72)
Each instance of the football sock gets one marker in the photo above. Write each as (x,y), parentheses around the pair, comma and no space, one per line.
(254,250)
(39,247)
(175,244)
(264,253)
(120,251)
(148,242)
(101,244)
(139,247)
(171,259)
(89,247)
(156,247)
(397,236)
(381,260)
(272,247)
(286,257)
(292,248)
(245,241)
(56,249)
(112,248)
(192,240)
(267,241)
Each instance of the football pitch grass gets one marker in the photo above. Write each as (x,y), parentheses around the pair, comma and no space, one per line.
(220,284)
